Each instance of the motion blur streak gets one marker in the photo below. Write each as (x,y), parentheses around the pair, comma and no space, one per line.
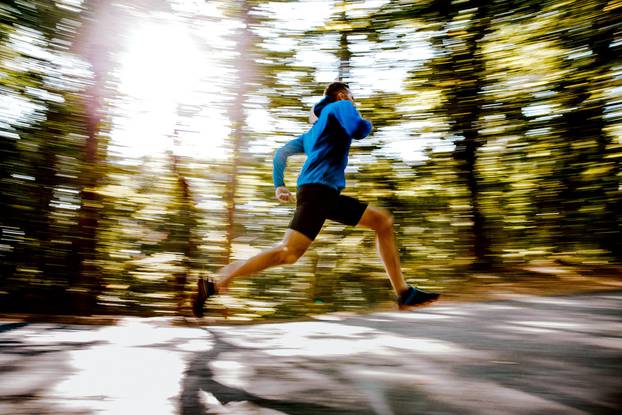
(136,140)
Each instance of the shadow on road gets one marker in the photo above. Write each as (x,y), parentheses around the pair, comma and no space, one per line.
(528,355)
(200,381)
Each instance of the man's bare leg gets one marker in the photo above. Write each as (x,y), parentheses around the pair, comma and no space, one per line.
(292,247)
(381,222)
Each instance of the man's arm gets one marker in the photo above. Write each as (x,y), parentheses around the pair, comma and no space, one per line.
(295,146)
(350,119)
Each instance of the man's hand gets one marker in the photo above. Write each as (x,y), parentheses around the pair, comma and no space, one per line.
(283,194)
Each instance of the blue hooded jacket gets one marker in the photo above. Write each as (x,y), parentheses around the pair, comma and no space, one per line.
(326,145)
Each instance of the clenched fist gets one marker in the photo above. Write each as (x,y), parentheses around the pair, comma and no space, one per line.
(283,194)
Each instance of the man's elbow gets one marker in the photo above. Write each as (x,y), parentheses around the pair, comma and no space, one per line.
(362,130)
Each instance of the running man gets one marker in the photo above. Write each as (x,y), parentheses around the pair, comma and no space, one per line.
(326,145)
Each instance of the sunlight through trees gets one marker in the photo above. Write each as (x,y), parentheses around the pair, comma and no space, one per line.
(136,144)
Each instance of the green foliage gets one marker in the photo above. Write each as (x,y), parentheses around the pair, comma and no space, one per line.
(497,140)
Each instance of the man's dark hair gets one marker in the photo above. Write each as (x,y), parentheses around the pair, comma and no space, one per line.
(334,88)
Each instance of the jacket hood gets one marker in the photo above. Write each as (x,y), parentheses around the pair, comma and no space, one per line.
(317,109)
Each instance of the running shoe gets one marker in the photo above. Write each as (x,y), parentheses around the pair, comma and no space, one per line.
(415,297)
(205,289)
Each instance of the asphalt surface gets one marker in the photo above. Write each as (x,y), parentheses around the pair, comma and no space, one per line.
(525,355)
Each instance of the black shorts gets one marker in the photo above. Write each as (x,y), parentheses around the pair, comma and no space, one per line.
(315,203)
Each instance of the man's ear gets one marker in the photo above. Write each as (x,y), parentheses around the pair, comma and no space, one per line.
(341,95)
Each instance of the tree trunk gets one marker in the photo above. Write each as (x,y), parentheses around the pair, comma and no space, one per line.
(186,218)
(345,56)
(94,45)
(601,41)
(245,65)
(86,276)
(584,122)
(45,177)
(464,106)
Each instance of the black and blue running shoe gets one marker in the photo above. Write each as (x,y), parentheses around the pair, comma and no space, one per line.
(415,297)
(205,289)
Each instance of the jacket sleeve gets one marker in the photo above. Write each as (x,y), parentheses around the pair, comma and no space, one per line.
(295,146)
(351,121)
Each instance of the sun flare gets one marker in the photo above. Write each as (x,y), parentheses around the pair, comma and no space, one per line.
(160,68)
(161,63)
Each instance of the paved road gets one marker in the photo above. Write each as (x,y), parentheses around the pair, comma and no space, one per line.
(527,355)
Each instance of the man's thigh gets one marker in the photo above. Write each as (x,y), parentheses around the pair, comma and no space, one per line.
(296,240)
(313,204)
(348,210)
(308,220)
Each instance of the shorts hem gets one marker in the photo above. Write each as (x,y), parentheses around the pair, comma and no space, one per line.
(304,232)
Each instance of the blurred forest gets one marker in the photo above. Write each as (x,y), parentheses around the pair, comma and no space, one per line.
(136,144)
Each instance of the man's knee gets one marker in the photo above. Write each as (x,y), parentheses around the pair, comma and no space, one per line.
(384,221)
(289,255)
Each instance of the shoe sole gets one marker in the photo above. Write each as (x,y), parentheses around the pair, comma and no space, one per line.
(412,307)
